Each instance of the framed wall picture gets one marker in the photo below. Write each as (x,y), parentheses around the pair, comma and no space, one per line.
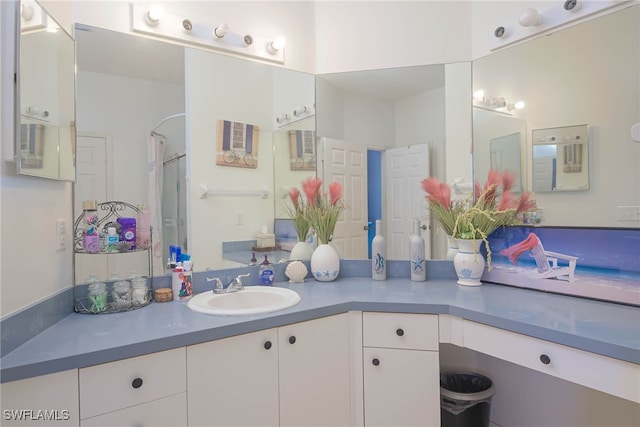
(237,144)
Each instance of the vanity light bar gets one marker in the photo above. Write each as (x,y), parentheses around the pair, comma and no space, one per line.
(531,22)
(217,36)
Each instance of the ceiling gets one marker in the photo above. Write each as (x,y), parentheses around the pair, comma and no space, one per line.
(139,57)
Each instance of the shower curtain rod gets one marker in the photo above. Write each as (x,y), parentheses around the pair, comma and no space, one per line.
(173,116)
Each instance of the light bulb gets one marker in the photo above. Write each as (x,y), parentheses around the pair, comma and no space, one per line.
(299,111)
(479,95)
(519,105)
(283,118)
(530,18)
(26,11)
(153,15)
(220,31)
(275,45)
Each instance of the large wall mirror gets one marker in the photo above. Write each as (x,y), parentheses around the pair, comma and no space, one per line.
(398,118)
(45,96)
(160,95)
(586,74)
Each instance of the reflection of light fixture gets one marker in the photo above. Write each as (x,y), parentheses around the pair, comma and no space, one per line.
(220,31)
(530,18)
(274,46)
(26,11)
(153,15)
(299,111)
(478,95)
(515,106)
(497,102)
(283,118)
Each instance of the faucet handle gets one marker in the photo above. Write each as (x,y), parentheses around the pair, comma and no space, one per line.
(238,279)
(217,287)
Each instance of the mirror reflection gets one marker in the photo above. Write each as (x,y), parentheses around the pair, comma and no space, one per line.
(394,118)
(135,103)
(45,145)
(560,159)
(585,83)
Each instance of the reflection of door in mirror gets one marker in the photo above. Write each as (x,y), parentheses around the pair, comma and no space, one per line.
(383,110)
(45,137)
(499,143)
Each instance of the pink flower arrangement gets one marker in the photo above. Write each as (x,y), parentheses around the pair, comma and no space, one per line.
(487,212)
(317,210)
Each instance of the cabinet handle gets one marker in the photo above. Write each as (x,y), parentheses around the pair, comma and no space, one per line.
(399,332)
(267,345)
(292,339)
(545,359)
(375,362)
(136,383)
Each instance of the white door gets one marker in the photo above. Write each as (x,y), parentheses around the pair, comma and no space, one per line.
(91,184)
(405,168)
(346,163)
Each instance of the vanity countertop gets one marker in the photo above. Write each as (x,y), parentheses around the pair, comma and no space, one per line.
(81,340)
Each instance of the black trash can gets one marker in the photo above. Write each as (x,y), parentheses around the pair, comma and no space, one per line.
(465,399)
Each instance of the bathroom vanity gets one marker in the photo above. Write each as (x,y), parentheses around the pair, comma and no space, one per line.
(352,352)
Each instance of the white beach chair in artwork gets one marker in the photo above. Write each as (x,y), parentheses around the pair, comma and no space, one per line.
(547,264)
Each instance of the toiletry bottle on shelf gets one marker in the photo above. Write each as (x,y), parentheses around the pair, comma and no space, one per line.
(378,251)
(112,240)
(416,254)
(91,238)
(266,272)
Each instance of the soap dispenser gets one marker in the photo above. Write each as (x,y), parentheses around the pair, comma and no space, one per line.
(266,272)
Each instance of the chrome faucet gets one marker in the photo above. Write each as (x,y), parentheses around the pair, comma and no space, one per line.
(233,286)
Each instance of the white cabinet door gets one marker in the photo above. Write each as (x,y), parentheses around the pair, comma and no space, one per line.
(314,369)
(50,400)
(169,411)
(234,381)
(401,387)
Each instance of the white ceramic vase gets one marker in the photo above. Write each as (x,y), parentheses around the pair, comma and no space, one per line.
(452,248)
(301,251)
(325,263)
(469,262)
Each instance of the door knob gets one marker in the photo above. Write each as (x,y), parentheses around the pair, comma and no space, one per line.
(267,345)
(375,362)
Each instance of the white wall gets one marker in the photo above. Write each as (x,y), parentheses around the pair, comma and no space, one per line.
(360,35)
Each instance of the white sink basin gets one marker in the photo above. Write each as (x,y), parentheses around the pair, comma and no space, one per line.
(249,300)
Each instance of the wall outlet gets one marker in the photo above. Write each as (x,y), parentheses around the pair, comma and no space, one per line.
(61,234)
(239,218)
(628,213)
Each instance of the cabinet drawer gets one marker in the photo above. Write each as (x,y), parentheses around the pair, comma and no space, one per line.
(394,330)
(606,374)
(168,411)
(124,383)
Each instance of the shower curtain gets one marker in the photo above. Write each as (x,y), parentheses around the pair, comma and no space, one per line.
(155,155)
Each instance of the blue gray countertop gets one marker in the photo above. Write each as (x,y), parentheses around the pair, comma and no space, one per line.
(81,340)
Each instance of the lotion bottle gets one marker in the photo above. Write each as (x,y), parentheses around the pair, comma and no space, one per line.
(416,254)
(378,254)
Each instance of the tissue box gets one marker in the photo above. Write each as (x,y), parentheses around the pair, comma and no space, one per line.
(266,240)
